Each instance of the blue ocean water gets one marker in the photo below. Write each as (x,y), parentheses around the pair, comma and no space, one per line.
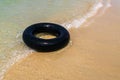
(16,15)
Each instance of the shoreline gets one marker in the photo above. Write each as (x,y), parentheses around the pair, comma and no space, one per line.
(86,60)
(28,51)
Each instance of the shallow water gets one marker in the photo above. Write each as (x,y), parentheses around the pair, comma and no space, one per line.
(16,15)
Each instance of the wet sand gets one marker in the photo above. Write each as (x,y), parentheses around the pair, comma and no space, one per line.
(93,55)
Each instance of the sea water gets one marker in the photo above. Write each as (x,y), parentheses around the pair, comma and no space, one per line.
(16,15)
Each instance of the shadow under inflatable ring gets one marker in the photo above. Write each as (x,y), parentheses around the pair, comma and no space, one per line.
(46,45)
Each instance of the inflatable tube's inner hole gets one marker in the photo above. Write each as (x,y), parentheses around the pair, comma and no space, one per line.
(45,35)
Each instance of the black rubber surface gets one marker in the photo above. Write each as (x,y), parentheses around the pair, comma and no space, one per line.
(46,45)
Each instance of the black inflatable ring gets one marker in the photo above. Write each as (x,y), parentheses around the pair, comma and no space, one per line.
(46,45)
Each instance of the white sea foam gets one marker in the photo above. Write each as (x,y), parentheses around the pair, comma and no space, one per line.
(105,7)
(23,52)
(76,23)
(15,58)
(17,54)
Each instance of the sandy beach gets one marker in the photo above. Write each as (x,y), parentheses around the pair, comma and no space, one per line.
(93,54)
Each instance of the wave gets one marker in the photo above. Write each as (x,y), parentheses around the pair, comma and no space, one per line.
(76,23)
(14,60)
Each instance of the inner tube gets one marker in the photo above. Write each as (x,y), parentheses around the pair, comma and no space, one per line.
(46,45)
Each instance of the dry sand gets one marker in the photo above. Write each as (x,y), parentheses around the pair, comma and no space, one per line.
(93,55)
